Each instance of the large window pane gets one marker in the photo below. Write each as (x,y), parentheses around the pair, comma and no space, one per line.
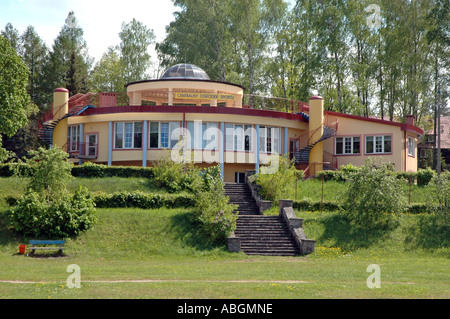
(387,144)
(369,145)
(339,145)
(164,135)
(119,135)
(238,138)
(154,134)
(229,136)
(137,135)
(248,138)
(356,145)
(174,133)
(262,139)
(128,135)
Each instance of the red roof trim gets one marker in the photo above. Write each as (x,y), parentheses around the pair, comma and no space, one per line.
(403,126)
(61,90)
(193,109)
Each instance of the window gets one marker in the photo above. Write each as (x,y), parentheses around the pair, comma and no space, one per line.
(378,144)
(411,147)
(269,139)
(73,135)
(128,135)
(203,135)
(154,135)
(238,137)
(164,134)
(347,145)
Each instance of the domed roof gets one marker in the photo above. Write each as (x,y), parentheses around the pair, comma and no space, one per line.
(185,71)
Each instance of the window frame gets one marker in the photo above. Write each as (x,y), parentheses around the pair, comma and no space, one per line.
(352,145)
(375,140)
(270,139)
(246,130)
(411,153)
(124,137)
(71,140)
(172,125)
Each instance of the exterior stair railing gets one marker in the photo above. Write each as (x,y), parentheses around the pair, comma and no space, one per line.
(302,154)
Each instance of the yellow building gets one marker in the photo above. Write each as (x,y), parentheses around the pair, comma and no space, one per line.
(189,117)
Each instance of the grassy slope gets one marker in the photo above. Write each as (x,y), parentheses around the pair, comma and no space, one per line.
(163,246)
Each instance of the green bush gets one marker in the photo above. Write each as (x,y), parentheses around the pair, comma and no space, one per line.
(211,208)
(142,200)
(68,217)
(97,170)
(374,198)
(274,184)
(310,205)
(424,176)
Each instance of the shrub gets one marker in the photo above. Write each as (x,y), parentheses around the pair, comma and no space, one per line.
(51,172)
(424,176)
(55,219)
(374,197)
(169,174)
(274,185)
(89,169)
(211,208)
(47,210)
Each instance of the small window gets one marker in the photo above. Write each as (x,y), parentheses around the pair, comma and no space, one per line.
(348,145)
(411,147)
(378,144)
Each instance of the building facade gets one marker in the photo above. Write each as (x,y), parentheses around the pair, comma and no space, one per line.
(189,117)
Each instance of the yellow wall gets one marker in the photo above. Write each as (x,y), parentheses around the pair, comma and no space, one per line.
(315,132)
(361,128)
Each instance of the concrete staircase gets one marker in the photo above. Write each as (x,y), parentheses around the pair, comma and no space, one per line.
(259,234)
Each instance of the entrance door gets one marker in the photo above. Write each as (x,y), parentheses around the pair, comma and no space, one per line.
(239,178)
(91,145)
(293,146)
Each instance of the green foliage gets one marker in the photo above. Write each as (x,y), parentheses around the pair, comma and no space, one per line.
(142,200)
(68,217)
(274,185)
(172,175)
(424,176)
(374,198)
(89,169)
(47,210)
(211,208)
(51,172)
(433,230)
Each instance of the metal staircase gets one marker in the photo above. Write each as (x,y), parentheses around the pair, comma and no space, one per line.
(302,155)
(45,133)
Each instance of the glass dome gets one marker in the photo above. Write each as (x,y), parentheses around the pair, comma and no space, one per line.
(185,71)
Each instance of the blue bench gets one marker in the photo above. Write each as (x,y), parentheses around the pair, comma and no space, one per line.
(35,244)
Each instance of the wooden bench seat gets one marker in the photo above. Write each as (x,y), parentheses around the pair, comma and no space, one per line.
(36,245)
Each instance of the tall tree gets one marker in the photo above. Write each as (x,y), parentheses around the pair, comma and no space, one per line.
(34,53)
(12,35)
(135,41)
(108,73)
(68,63)
(15,103)
(201,37)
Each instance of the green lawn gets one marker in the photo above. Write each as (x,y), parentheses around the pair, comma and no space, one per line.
(159,253)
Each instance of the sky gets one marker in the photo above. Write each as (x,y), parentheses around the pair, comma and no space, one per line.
(101,20)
